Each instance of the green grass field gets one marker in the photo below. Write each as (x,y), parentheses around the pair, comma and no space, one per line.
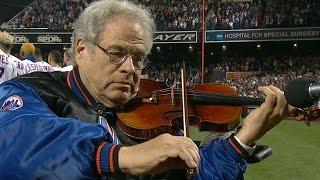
(296,152)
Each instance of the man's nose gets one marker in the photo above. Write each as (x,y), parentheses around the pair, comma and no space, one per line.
(128,65)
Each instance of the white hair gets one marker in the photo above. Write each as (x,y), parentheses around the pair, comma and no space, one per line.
(6,41)
(93,19)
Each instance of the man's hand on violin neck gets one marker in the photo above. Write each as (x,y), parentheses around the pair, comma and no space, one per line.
(158,155)
(264,118)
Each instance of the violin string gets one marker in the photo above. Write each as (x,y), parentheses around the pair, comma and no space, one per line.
(179,96)
(190,91)
(193,94)
(201,94)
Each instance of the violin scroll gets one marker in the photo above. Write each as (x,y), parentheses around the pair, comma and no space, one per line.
(308,114)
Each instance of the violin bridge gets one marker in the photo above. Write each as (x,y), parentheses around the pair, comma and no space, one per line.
(172,96)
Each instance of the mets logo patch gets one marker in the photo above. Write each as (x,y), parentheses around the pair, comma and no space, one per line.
(12,103)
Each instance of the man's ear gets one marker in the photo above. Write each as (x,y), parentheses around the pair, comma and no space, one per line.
(79,54)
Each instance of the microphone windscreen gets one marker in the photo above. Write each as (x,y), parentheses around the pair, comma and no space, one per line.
(297,92)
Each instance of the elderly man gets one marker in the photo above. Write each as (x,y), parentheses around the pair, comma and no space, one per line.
(62,126)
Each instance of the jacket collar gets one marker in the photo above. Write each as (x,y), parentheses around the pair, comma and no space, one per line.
(78,88)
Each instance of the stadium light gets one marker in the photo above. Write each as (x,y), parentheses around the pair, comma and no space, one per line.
(190,49)
(258,46)
(224,48)
(295,45)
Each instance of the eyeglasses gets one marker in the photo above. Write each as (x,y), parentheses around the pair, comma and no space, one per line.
(119,57)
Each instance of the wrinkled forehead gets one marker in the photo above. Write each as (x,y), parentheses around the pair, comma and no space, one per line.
(124,31)
(125,26)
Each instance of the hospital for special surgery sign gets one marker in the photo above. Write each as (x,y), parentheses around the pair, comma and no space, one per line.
(272,34)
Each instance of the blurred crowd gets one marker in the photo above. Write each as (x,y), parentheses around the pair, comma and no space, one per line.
(233,15)
(279,13)
(248,86)
(173,15)
(183,14)
(60,14)
(169,73)
(56,14)
(262,14)
(267,64)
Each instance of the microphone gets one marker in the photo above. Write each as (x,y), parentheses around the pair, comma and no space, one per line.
(302,92)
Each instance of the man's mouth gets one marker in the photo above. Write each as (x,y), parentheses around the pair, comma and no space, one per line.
(123,86)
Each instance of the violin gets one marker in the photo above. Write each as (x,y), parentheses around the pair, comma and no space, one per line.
(157,110)
(210,107)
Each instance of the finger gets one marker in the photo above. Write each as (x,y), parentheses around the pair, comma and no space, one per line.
(190,144)
(196,156)
(269,102)
(291,109)
(177,142)
(187,155)
(281,103)
(193,154)
(194,151)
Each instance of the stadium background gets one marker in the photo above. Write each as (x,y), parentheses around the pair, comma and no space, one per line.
(243,63)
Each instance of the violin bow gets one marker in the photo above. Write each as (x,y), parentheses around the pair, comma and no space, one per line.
(185,115)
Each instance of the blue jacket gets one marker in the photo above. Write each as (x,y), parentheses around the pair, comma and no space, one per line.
(36,143)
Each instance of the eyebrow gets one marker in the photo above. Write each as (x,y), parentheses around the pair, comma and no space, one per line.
(116,46)
(124,48)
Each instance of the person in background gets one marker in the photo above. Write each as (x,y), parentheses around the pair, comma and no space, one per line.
(55,59)
(38,55)
(10,66)
(6,42)
(27,51)
(6,59)
(67,57)
(67,60)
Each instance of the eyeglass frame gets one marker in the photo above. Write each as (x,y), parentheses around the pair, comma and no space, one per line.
(124,58)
